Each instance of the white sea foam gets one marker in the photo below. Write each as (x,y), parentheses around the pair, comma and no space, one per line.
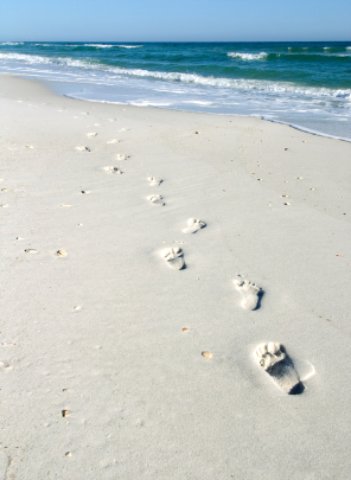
(149,103)
(11,44)
(22,57)
(248,56)
(204,103)
(258,85)
(105,45)
(97,45)
(39,59)
(129,46)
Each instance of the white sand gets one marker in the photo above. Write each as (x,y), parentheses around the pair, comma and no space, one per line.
(114,366)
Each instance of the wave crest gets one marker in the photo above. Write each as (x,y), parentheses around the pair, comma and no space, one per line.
(129,46)
(11,44)
(97,45)
(248,56)
(108,45)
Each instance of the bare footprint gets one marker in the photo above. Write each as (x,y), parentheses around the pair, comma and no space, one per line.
(5,366)
(156,200)
(120,157)
(194,225)
(31,251)
(113,169)
(82,148)
(154,181)
(174,257)
(251,294)
(272,357)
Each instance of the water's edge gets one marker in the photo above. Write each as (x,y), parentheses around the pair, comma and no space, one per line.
(233,115)
(53,88)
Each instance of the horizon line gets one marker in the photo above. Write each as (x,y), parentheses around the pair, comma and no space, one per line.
(179,41)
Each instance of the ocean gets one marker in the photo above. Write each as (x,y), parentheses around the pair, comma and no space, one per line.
(305,84)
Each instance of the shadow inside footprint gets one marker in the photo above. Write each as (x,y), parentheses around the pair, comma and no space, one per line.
(260,295)
(174,258)
(298,389)
(273,358)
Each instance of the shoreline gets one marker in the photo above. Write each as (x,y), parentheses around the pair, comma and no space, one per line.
(260,117)
(128,341)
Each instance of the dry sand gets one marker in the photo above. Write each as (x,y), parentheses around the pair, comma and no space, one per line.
(126,349)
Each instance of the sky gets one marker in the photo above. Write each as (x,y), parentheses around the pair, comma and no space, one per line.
(175,20)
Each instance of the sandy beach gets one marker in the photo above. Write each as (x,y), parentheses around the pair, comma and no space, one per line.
(130,348)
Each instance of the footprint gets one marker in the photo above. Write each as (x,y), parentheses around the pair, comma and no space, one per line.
(174,257)
(61,253)
(272,357)
(154,181)
(156,200)
(250,292)
(113,169)
(92,134)
(5,366)
(30,147)
(113,141)
(120,157)
(31,251)
(82,148)
(194,225)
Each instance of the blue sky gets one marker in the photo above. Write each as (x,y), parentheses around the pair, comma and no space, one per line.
(175,20)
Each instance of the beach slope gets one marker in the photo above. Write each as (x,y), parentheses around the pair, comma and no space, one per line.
(147,259)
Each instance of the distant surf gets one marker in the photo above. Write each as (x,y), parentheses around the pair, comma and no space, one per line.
(248,56)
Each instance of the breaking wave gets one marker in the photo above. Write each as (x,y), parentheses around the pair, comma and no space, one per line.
(267,86)
(248,56)
(105,45)
(11,44)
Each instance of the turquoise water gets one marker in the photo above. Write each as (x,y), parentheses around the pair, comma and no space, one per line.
(304,84)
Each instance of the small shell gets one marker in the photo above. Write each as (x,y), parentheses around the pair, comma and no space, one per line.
(207,355)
